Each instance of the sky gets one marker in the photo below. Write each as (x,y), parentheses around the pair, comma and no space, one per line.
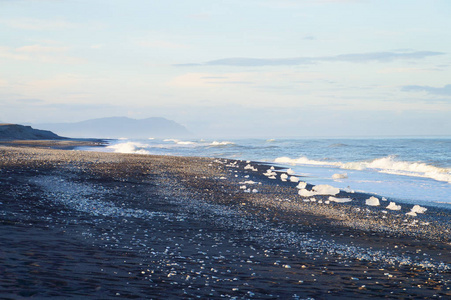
(254,68)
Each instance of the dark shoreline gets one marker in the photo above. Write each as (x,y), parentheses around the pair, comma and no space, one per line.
(105,225)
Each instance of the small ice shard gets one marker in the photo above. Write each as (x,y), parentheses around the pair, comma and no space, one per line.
(269,173)
(290,172)
(324,189)
(243,187)
(372,201)
(419,209)
(306,193)
(249,182)
(393,206)
(340,176)
(384,199)
(283,177)
(340,200)
(249,167)
(326,202)
(254,191)
(294,179)
(301,185)
(272,168)
(411,213)
(272,177)
(312,199)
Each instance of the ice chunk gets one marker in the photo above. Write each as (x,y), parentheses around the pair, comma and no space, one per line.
(249,182)
(283,177)
(324,189)
(301,185)
(340,176)
(393,206)
(411,213)
(340,200)
(254,191)
(306,193)
(290,172)
(249,167)
(372,201)
(294,179)
(243,187)
(419,209)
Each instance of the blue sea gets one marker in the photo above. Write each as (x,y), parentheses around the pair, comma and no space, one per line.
(414,170)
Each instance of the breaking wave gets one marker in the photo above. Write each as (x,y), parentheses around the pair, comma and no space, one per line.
(387,164)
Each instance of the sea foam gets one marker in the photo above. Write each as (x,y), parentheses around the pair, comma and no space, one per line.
(129,147)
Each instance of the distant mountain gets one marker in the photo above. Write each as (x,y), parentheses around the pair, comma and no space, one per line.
(117,127)
(21,132)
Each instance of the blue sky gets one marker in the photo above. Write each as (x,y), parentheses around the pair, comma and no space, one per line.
(262,68)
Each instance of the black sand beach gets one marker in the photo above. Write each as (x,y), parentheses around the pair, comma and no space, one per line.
(90,225)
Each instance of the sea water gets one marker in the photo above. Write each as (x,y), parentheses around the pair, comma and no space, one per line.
(415,170)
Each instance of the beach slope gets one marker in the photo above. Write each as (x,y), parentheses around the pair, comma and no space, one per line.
(105,225)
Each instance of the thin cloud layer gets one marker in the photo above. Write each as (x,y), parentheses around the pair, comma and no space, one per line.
(353,58)
(442,91)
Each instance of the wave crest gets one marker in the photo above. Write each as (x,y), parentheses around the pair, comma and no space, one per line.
(387,164)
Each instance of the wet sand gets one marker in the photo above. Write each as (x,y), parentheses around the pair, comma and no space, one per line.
(104,225)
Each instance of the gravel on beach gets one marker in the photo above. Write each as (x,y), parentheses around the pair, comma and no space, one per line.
(105,225)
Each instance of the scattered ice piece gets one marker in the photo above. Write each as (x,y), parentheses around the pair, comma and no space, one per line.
(312,199)
(393,206)
(327,202)
(249,182)
(290,172)
(272,168)
(372,201)
(340,200)
(419,209)
(294,179)
(248,161)
(272,177)
(247,176)
(306,200)
(320,201)
(283,177)
(306,193)
(243,187)
(411,213)
(249,167)
(324,189)
(384,199)
(340,176)
(254,191)
(384,211)
(301,185)
(269,173)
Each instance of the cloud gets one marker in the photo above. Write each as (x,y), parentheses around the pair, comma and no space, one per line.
(38,53)
(30,101)
(353,57)
(161,44)
(38,24)
(442,91)
(41,49)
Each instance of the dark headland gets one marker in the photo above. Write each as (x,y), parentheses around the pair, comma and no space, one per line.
(26,136)
(91,225)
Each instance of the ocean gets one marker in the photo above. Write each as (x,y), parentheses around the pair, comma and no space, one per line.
(412,170)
